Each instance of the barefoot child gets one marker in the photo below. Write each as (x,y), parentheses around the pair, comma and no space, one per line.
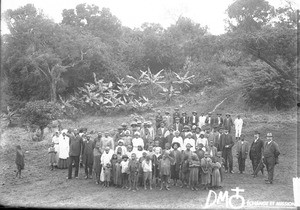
(194,171)
(19,160)
(206,169)
(147,169)
(133,167)
(165,169)
(107,170)
(215,178)
(52,156)
(125,171)
(175,165)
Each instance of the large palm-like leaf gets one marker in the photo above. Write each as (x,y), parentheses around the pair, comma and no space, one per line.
(185,80)
(138,82)
(125,92)
(154,79)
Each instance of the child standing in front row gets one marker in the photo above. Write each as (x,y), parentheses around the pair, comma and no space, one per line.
(19,160)
(147,169)
(194,171)
(133,167)
(107,170)
(125,171)
(165,169)
(52,156)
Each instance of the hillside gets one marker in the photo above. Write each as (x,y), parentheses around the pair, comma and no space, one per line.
(43,188)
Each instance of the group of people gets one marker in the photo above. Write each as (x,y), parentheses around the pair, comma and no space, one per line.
(189,151)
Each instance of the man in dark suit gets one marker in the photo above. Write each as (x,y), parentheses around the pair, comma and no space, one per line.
(227,122)
(194,119)
(226,147)
(270,156)
(177,125)
(176,114)
(219,120)
(256,150)
(208,120)
(184,120)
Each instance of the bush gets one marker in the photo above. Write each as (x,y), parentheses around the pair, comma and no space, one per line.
(40,114)
(265,87)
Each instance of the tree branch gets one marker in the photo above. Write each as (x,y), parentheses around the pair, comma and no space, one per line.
(270,63)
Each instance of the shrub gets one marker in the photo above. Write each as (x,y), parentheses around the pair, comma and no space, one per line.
(264,86)
(40,114)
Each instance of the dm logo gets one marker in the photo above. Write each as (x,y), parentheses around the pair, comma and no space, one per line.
(223,197)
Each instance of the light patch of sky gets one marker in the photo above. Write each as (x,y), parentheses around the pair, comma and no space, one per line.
(133,13)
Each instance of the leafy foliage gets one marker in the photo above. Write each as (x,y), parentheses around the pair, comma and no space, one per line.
(40,113)
(264,86)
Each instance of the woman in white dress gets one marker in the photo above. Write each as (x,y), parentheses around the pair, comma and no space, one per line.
(63,150)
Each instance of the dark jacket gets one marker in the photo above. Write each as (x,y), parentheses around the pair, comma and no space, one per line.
(184,120)
(256,149)
(271,150)
(75,145)
(226,140)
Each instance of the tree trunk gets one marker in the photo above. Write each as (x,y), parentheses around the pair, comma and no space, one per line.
(53,91)
(42,134)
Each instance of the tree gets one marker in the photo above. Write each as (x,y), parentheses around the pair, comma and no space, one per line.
(253,31)
(40,113)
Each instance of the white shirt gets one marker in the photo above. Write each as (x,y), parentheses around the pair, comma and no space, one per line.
(178,140)
(191,142)
(203,141)
(137,142)
(201,121)
(238,122)
(124,166)
(138,153)
(106,157)
(147,167)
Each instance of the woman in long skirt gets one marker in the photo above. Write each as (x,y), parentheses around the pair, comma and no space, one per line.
(194,170)
(206,169)
(63,150)
(216,178)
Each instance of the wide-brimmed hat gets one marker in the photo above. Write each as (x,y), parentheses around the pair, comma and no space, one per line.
(269,135)
(137,133)
(188,144)
(121,140)
(124,156)
(173,144)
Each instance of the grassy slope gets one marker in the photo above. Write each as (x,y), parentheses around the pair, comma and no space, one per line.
(41,187)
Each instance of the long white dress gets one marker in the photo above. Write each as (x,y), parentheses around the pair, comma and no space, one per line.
(64,147)
(105,159)
(63,152)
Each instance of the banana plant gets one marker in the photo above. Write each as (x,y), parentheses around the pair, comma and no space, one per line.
(154,80)
(137,83)
(170,93)
(125,92)
(185,79)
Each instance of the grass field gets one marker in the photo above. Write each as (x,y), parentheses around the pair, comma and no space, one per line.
(41,187)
